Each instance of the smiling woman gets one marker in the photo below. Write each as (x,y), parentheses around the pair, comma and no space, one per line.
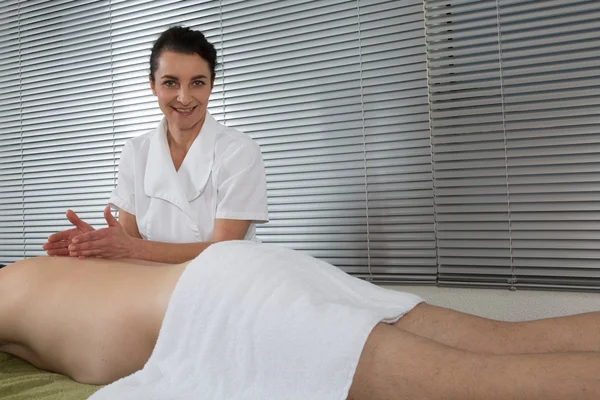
(182,96)
(182,82)
(188,183)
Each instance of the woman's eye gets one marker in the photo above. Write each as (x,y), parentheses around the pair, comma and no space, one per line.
(169,83)
(198,83)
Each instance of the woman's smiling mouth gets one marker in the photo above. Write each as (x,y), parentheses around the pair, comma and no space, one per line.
(184,111)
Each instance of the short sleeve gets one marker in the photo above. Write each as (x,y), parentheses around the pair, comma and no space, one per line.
(241,184)
(123,195)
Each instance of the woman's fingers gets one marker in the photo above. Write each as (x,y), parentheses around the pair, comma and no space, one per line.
(62,244)
(75,220)
(60,236)
(97,245)
(112,242)
(110,219)
(91,236)
(89,245)
(56,248)
(57,243)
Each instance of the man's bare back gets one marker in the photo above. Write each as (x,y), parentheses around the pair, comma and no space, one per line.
(108,311)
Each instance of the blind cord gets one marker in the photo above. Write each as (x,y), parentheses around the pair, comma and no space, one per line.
(513,279)
(364,136)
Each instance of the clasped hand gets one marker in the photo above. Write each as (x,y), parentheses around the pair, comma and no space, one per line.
(85,241)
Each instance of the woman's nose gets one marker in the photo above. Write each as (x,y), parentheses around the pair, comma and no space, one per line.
(184,96)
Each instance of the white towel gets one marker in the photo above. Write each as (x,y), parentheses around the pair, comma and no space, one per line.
(251,321)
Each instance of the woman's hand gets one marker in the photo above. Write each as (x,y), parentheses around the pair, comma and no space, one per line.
(110,242)
(59,242)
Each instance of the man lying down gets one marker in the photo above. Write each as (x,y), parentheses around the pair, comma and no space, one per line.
(247,321)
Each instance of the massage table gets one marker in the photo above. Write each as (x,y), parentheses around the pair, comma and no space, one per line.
(22,381)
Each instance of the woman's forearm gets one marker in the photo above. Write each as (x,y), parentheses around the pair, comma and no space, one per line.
(171,253)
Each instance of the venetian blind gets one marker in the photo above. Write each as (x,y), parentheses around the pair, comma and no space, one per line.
(514,106)
(11,177)
(333,91)
(335,94)
(66,136)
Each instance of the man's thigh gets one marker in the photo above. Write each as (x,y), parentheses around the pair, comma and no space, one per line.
(399,365)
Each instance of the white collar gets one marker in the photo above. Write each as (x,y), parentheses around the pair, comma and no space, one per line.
(180,187)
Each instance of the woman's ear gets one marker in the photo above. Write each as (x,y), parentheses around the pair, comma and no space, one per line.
(152,85)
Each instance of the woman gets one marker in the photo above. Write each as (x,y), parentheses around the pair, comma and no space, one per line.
(188,183)
(98,320)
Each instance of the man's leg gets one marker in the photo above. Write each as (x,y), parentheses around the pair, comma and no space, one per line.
(399,365)
(480,335)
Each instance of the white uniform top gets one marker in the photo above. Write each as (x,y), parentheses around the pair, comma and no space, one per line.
(222,176)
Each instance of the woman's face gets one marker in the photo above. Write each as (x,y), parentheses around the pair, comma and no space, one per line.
(182,84)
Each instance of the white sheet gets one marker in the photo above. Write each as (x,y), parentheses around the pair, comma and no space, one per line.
(251,321)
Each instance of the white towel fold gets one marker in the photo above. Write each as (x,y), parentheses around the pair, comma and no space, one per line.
(251,321)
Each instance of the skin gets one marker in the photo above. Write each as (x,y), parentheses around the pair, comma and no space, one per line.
(396,364)
(575,333)
(98,320)
(53,310)
(182,84)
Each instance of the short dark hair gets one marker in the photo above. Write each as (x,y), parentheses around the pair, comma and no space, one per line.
(183,40)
